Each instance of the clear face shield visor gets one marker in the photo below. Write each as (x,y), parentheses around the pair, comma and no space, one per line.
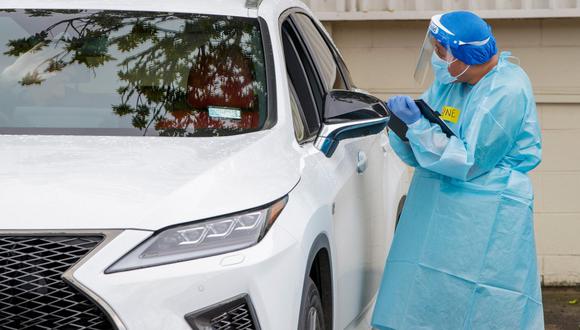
(430,46)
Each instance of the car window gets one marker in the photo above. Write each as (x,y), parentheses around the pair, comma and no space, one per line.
(302,78)
(297,115)
(95,72)
(321,53)
(344,69)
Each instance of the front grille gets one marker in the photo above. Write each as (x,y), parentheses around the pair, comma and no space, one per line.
(234,314)
(238,318)
(33,294)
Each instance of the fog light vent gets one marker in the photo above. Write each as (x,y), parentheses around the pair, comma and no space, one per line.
(233,314)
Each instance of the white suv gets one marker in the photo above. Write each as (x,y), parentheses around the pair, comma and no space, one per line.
(187,165)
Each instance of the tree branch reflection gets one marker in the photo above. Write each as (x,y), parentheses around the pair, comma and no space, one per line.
(171,67)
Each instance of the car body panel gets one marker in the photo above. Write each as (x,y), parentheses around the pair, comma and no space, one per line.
(159,297)
(143,184)
(80,182)
(357,212)
(363,218)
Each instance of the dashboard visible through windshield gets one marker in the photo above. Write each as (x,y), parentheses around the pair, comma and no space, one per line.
(87,72)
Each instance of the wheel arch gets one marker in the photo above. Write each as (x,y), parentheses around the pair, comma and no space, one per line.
(319,269)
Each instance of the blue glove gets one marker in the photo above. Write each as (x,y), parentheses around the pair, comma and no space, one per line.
(404,108)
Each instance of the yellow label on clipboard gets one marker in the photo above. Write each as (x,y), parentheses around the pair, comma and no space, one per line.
(450,114)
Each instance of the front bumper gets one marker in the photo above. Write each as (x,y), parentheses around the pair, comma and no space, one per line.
(160,297)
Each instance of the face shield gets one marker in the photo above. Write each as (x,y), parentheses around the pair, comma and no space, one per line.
(440,40)
(437,40)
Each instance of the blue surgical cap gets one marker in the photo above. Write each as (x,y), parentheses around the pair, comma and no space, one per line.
(471,41)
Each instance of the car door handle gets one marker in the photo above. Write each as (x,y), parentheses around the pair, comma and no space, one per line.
(385,146)
(362,162)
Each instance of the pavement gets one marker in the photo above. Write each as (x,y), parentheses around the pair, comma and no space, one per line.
(561,308)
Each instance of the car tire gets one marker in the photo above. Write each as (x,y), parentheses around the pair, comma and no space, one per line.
(311,313)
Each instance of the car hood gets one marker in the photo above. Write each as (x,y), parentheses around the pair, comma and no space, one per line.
(79,182)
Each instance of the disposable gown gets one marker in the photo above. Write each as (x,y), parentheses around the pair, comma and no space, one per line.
(464,255)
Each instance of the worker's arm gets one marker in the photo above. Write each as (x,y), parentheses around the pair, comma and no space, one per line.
(402,149)
(487,138)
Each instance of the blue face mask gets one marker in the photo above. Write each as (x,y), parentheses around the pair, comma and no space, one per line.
(441,70)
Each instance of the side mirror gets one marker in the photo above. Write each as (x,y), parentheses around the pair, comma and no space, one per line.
(349,114)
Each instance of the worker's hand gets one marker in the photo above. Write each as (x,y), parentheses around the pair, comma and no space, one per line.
(404,108)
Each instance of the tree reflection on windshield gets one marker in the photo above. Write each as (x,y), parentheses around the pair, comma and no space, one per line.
(176,74)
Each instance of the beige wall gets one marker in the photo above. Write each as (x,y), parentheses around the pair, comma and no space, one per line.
(381,56)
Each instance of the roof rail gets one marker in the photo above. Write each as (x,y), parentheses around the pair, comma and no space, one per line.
(253,4)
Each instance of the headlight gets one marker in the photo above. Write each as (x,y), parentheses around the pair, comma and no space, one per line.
(202,238)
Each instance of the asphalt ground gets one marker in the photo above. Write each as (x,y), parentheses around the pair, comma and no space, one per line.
(561,308)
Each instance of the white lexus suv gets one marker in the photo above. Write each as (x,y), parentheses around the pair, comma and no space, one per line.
(187,164)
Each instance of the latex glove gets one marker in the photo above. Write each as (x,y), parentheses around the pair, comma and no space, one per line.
(404,108)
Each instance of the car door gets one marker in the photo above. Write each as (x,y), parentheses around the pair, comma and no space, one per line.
(356,168)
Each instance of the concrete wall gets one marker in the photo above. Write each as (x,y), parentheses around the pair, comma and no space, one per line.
(381,56)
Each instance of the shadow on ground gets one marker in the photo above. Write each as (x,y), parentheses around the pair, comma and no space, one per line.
(559,311)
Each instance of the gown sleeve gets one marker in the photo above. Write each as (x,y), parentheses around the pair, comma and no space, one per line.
(402,149)
(487,138)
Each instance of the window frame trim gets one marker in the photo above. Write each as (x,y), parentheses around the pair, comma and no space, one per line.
(311,134)
(310,137)
(340,65)
(269,63)
(285,16)
(320,84)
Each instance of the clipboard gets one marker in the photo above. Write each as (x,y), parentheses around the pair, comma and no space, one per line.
(400,128)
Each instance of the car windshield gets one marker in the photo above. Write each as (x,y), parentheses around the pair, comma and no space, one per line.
(83,72)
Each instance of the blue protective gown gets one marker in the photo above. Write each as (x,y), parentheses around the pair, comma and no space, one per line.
(464,256)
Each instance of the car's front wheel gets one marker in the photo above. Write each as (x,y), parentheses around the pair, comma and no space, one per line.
(311,313)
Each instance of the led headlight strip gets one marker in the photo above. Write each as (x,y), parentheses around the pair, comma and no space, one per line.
(202,238)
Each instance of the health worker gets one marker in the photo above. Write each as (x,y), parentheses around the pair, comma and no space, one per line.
(464,255)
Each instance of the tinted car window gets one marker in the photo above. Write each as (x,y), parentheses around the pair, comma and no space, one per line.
(321,54)
(302,78)
(297,118)
(130,73)
(344,69)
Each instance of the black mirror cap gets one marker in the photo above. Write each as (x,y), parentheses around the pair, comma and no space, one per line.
(345,105)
